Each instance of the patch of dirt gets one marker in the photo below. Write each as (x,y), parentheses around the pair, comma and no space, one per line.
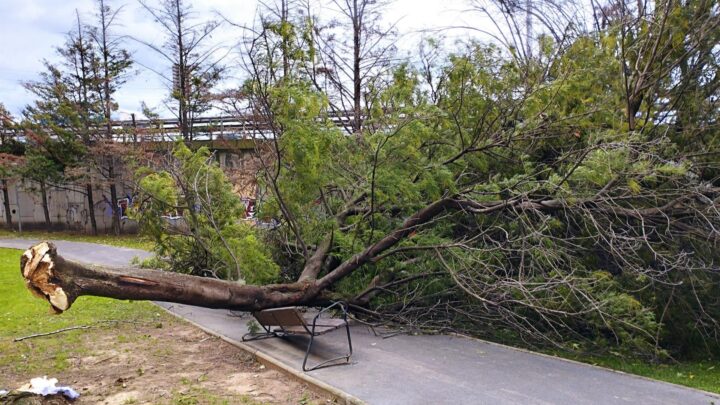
(173,364)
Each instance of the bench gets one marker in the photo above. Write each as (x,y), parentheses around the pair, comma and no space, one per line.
(282,322)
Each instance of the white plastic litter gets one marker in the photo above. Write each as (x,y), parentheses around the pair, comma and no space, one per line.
(44,386)
(3,392)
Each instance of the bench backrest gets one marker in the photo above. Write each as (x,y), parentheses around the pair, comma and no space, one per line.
(288,316)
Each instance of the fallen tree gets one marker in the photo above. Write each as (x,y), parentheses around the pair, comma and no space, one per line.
(49,276)
(538,199)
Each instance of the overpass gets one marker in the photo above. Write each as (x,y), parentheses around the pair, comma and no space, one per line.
(251,127)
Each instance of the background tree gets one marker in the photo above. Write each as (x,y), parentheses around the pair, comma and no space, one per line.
(41,171)
(355,53)
(196,67)
(113,63)
(63,120)
(10,151)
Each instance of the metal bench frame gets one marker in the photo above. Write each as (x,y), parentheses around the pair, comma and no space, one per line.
(289,321)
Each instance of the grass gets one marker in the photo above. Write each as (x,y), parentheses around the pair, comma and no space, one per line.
(194,395)
(130,241)
(133,352)
(21,314)
(700,374)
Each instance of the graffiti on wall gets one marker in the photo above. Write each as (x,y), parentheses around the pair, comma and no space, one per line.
(122,206)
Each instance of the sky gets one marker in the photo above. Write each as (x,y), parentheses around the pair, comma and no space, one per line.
(30,30)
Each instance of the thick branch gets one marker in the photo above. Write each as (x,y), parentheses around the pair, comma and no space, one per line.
(314,265)
(419,218)
(61,282)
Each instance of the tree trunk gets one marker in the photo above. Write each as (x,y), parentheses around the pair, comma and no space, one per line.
(115,209)
(134,128)
(113,198)
(357,78)
(184,73)
(6,203)
(46,211)
(61,282)
(91,208)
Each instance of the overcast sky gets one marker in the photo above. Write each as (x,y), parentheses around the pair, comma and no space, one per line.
(31,29)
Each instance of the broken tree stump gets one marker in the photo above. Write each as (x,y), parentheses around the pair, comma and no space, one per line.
(48,276)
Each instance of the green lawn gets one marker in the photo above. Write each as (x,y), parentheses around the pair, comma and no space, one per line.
(143,356)
(130,241)
(22,314)
(704,375)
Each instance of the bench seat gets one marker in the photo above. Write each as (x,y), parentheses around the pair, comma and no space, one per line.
(281,322)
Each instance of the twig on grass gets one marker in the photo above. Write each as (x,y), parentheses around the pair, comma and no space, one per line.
(104,360)
(52,333)
(75,328)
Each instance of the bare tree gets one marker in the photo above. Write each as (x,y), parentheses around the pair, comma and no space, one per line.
(522,26)
(355,52)
(195,65)
(112,65)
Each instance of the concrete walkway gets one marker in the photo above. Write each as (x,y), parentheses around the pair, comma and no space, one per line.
(423,369)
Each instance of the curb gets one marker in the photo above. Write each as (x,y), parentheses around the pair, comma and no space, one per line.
(342,396)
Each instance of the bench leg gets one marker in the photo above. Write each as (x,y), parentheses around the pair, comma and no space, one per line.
(249,337)
(326,362)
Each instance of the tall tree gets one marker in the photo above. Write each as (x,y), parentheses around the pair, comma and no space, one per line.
(62,122)
(195,65)
(42,171)
(10,151)
(355,52)
(113,63)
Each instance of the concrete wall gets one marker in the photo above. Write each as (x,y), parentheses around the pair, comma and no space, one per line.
(68,208)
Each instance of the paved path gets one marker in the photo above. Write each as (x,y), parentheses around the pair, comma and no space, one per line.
(92,253)
(425,369)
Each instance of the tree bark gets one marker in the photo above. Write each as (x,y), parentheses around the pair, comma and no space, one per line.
(113,197)
(61,282)
(357,59)
(184,73)
(107,106)
(91,208)
(46,211)
(6,203)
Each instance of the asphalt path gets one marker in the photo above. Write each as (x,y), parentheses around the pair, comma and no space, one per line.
(406,369)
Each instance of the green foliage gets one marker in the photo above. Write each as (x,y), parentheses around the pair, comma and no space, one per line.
(253,326)
(495,130)
(209,239)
